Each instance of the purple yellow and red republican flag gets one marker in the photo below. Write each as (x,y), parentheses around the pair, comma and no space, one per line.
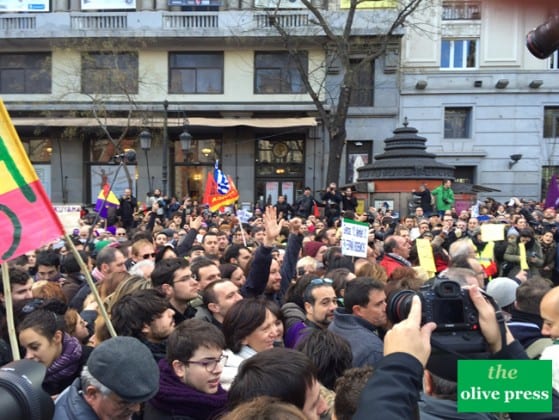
(27,217)
(105,200)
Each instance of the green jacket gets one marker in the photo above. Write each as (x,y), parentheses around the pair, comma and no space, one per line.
(444,198)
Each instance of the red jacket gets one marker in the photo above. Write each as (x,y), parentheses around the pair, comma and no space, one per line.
(389,263)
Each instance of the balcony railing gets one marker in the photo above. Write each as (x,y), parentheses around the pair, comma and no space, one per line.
(191,20)
(18,23)
(461,10)
(286,20)
(108,21)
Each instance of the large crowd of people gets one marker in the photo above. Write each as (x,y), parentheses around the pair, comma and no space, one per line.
(218,317)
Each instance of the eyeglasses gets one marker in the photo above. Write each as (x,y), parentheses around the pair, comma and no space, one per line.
(209,364)
(146,256)
(185,278)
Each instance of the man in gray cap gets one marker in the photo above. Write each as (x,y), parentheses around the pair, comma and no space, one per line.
(119,375)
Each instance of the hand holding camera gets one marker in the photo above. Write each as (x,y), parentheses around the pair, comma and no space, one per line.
(488,320)
(409,336)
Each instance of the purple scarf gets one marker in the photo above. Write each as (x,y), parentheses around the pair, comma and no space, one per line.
(68,363)
(177,398)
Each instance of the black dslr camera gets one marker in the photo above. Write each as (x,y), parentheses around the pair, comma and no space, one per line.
(544,40)
(444,302)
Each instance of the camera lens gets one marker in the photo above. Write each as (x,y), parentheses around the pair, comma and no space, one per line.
(544,40)
(399,305)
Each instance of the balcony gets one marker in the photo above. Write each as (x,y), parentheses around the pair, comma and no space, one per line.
(46,28)
(461,10)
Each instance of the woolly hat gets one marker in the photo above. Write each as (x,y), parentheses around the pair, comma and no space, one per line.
(169,233)
(503,290)
(311,248)
(126,367)
(99,245)
(513,232)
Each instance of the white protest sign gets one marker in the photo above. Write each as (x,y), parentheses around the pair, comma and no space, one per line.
(354,238)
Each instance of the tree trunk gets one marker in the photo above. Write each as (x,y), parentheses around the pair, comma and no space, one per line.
(337,141)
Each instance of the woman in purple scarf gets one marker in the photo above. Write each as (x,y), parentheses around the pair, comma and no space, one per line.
(189,386)
(42,335)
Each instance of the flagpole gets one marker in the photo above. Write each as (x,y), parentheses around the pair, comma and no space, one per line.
(10,311)
(91,284)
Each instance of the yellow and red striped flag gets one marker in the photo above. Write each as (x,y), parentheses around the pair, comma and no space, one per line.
(27,217)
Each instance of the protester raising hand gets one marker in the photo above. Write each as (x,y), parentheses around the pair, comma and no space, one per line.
(272,226)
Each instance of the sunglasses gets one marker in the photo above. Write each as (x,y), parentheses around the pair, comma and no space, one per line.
(321,281)
(146,256)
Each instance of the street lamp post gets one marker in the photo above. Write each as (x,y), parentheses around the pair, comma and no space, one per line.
(185,139)
(165,161)
(145,144)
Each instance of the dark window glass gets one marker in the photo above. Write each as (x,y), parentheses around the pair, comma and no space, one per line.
(110,73)
(196,73)
(278,72)
(25,73)
(551,122)
(457,123)
(363,91)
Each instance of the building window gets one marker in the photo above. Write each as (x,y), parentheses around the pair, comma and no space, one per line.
(465,174)
(362,93)
(358,154)
(280,158)
(110,72)
(457,123)
(551,122)
(191,168)
(461,10)
(196,72)
(459,53)
(25,73)
(554,61)
(278,72)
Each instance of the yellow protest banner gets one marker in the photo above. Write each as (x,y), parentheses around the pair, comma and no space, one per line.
(425,254)
(523,260)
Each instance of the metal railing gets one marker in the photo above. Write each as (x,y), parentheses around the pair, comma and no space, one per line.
(461,10)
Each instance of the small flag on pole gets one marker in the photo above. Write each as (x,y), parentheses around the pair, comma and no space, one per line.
(220,190)
(27,217)
(105,200)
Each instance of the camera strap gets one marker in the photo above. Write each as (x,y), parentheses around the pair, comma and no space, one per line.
(501,323)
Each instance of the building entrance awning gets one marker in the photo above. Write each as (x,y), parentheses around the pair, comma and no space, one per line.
(159,122)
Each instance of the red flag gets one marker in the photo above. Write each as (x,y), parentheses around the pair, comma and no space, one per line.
(315,210)
(214,199)
(27,217)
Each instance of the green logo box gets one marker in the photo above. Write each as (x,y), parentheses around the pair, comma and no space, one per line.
(504,386)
